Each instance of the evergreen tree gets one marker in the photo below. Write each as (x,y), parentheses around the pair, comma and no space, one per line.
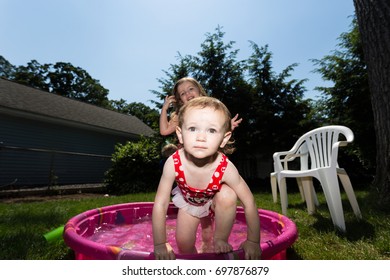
(347,102)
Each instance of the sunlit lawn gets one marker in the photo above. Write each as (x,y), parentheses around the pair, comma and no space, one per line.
(22,225)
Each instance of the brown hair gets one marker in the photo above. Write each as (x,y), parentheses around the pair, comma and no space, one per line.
(168,150)
(175,92)
(210,102)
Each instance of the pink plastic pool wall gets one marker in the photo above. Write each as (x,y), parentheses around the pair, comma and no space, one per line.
(89,238)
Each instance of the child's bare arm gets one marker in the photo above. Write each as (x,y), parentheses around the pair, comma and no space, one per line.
(167,127)
(252,245)
(162,249)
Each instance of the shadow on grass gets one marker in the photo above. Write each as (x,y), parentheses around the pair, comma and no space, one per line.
(355,229)
(23,237)
(291,254)
(26,245)
(30,218)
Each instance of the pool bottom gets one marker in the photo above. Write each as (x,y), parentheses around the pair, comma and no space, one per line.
(138,236)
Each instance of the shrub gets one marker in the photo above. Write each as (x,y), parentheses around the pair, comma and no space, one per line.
(135,167)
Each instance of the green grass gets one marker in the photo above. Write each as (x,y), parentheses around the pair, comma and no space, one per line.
(23,224)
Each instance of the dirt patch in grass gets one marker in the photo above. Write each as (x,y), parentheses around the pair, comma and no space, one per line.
(55,193)
(48,197)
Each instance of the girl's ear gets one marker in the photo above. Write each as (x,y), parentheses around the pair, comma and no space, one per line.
(226,138)
(179,134)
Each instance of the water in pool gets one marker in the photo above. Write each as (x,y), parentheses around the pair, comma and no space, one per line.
(138,235)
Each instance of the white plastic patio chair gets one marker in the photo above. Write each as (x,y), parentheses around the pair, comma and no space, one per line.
(318,151)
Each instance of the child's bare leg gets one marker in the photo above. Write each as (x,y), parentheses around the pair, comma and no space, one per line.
(207,234)
(225,204)
(186,227)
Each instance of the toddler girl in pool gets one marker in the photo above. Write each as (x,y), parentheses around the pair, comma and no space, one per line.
(207,183)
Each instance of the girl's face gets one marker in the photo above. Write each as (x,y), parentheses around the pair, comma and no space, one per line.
(202,132)
(187,91)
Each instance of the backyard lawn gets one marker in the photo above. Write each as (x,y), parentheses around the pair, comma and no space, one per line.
(23,222)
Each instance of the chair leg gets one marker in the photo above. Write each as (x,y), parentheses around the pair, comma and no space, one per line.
(274,187)
(330,185)
(315,198)
(299,181)
(346,182)
(300,187)
(308,190)
(283,195)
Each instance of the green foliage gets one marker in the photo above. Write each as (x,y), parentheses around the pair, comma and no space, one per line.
(135,167)
(74,82)
(278,108)
(177,71)
(147,115)
(60,78)
(348,101)
(6,68)
(271,104)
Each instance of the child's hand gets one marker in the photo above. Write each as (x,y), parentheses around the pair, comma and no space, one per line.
(164,251)
(252,250)
(169,99)
(235,122)
(221,246)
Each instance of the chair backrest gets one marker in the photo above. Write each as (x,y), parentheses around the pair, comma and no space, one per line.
(322,144)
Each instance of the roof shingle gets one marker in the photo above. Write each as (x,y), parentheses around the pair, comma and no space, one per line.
(15,96)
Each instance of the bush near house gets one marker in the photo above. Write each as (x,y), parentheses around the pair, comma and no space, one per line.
(136,167)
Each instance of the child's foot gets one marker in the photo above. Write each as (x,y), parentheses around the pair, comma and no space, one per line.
(221,246)
(207,247)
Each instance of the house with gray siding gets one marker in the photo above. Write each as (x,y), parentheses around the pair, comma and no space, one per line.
(47,139)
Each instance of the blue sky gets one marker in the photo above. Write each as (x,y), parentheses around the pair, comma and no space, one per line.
(126,44)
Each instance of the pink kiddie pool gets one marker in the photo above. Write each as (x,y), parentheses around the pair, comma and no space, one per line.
(124,232)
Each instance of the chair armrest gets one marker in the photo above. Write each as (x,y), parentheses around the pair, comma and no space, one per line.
(288,156)
(342,143)
(335,151)
(299,149)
